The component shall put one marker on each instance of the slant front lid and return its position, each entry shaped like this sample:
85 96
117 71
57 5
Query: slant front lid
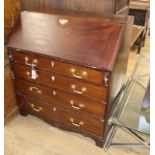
87 41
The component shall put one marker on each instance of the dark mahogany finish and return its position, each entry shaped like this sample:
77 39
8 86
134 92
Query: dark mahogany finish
83 41
60 67
53 112
62 98
60 82
76 61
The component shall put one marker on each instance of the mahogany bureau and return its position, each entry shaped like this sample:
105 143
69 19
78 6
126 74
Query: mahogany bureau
64 69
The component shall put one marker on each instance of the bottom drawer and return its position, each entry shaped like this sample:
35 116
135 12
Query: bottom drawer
52 112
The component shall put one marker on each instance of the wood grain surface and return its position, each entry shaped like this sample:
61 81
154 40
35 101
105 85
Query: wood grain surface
52 65
85 41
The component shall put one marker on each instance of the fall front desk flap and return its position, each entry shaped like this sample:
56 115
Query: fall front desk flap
91 42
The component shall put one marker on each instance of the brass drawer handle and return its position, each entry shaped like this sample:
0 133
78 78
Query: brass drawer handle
29 75
35 89
83 74
106 79
83 89
76 124
79 107
35 109
34 62
54 109
54 93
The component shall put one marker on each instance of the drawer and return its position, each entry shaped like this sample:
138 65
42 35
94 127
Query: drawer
74 103
52 112
120 4
85 89
68 69
60 82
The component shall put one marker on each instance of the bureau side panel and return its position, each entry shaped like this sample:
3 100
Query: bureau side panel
119 70
120 67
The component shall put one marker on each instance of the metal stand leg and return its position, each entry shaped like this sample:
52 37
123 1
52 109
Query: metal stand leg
110 137
112 132
137 137
115 119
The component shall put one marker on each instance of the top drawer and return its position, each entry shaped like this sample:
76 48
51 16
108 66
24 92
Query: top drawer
68 69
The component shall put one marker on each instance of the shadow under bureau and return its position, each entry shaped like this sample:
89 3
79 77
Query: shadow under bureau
66 69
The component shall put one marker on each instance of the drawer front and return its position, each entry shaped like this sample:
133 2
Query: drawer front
120 4
52 112
71 70
74 103
89 90
60 82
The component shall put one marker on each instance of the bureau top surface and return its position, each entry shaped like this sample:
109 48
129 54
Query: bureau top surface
87 41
